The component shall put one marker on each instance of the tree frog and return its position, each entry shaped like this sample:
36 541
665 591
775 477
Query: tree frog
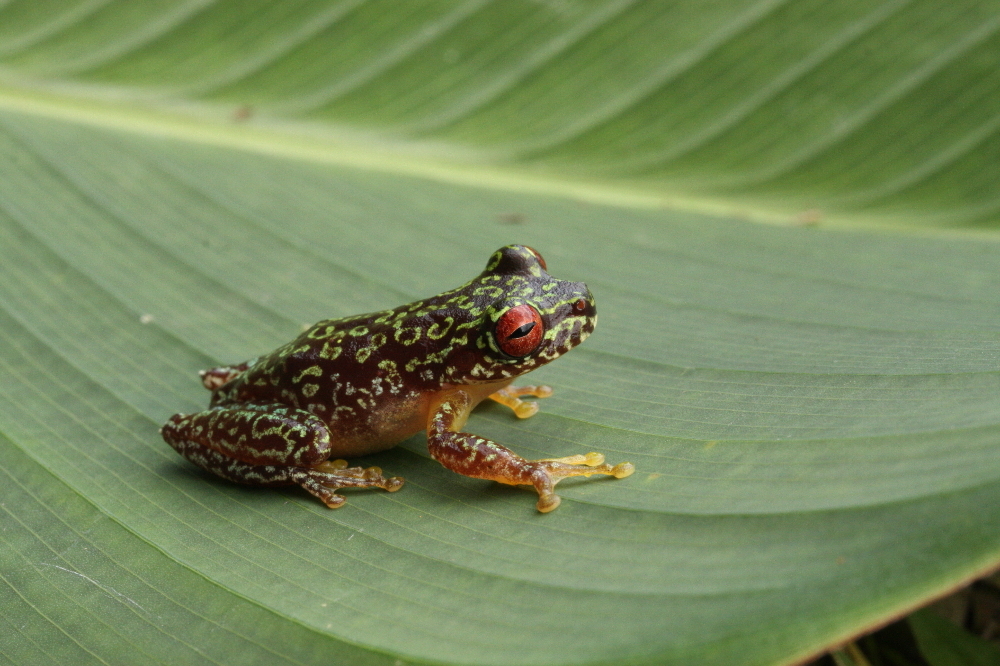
354 386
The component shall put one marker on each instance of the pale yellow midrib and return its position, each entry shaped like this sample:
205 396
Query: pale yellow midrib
213 126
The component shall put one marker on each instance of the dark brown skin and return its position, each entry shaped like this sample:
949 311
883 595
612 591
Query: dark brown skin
363 384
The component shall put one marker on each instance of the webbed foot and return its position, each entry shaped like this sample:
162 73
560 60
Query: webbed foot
324 479
509 397
550 471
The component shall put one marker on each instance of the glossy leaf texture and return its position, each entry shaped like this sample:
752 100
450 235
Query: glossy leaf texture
813 414
850 110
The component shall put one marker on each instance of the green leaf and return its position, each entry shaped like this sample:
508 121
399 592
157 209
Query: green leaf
812 413
848 111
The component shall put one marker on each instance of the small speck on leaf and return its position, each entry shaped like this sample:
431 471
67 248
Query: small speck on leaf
242 113
512 218
809 218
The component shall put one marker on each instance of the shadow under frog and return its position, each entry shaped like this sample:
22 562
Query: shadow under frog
358 385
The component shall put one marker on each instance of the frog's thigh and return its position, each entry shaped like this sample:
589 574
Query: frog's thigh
254 434
269 445
482 458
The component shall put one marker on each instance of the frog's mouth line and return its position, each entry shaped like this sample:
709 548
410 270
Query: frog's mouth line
569 333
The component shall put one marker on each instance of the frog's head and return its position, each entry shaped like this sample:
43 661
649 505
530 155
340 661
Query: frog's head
529 318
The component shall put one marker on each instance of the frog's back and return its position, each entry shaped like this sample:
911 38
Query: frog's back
369 372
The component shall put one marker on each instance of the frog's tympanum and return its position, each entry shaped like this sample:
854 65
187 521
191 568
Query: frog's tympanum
354 386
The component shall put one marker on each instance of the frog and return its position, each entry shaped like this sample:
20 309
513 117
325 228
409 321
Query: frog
358 385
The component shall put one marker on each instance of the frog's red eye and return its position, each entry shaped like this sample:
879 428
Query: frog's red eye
580 306
519 331
538 256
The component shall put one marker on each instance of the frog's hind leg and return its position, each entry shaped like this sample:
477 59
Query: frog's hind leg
269 445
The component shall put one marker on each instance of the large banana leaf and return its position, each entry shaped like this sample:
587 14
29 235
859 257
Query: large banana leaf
854 110
813 413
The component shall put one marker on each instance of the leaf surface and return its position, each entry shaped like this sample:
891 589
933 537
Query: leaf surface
812 412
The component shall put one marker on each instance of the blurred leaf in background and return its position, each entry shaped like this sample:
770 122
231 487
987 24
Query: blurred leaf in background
812 407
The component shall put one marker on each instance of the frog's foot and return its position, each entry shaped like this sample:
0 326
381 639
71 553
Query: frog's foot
547 472
508 396
323 479
215 378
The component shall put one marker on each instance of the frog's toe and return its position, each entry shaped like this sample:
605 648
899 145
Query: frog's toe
592 459
548 502
525 409
335 501
550 471
583 465
621 470
326 477
216 378
324 493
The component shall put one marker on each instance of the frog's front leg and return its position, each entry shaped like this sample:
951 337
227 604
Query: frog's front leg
509 396
482 458
269 445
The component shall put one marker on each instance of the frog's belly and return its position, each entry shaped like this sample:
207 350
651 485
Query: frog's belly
357 431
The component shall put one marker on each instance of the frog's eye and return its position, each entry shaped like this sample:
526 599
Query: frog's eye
580 306
519 331
538 256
